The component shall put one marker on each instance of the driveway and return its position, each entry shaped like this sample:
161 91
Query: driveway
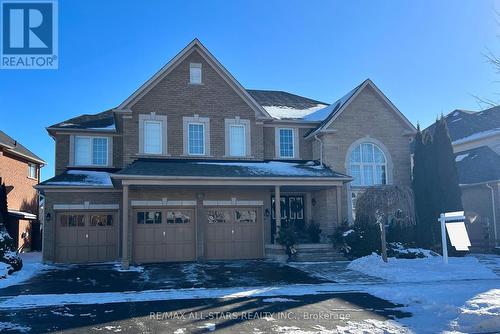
226 297
109 277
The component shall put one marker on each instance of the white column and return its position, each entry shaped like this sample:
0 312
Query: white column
339 205
125 261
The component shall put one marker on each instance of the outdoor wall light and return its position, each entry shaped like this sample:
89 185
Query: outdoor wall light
268 213
48 216
313 202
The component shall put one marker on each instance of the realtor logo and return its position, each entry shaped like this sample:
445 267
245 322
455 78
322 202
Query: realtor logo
29 35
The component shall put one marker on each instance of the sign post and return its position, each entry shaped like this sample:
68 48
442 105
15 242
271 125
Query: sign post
459 241
442 220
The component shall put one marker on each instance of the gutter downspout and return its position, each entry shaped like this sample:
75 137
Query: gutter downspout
320 149
493 207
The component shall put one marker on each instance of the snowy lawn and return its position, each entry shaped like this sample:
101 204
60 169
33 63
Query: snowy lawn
461 297
32 265
421 270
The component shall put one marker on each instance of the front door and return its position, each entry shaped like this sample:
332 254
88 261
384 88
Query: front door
292 213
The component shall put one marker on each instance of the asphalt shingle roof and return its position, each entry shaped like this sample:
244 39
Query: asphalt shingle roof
102 120
478 165
463 123
280 98
224 168
16 147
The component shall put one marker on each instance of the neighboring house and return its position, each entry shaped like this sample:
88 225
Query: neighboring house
475 138
20 171
192 166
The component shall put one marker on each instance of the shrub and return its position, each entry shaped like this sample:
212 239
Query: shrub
8 253
288 238
313 231
357 240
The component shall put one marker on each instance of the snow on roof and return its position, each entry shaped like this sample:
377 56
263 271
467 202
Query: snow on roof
461 157
477 136
285 112
275 168
322 114
81 178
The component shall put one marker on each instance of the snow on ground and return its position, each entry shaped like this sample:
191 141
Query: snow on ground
137 269
420 270
4 270
480 314
32 265
9 326
279 300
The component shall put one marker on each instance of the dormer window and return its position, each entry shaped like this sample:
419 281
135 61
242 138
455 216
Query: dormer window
195 73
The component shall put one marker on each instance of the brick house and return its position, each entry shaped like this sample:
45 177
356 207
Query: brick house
192 166
20 171
475 138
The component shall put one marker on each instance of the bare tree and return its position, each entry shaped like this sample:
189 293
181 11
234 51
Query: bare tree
385 202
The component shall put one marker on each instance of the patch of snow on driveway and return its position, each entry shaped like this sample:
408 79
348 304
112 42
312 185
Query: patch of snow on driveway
279 300
32 265
9 326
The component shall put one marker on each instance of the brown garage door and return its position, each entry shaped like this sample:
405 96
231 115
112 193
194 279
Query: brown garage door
233 233
164 235
86 237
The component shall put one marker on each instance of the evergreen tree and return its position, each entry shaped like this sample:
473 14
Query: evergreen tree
450 195
423 184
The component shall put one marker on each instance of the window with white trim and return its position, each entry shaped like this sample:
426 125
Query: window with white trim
152 137
368 165
90 151
195 73
237 140
32 171
196 138
286 143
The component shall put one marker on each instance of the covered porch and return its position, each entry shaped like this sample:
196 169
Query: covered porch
228 214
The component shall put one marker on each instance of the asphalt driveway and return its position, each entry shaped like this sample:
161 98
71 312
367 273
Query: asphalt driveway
297 314
108 277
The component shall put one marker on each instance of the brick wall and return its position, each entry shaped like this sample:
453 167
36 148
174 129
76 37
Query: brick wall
369 117
14 172
175 97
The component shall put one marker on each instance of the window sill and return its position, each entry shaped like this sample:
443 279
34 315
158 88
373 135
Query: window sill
146 155
89 166
32 178
196 84
246 157
194 156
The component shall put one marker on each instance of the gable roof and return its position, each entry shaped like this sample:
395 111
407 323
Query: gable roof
195 45
464 125
284 105
478 165
14 147
328 114
101 121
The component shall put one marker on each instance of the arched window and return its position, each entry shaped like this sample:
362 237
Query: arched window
368 165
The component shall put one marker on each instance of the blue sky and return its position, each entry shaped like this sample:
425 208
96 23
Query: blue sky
426 56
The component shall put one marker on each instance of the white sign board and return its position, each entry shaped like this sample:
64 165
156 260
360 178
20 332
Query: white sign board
458 236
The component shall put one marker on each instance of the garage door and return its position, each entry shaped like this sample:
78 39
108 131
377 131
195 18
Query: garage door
86 237
233 233
164 235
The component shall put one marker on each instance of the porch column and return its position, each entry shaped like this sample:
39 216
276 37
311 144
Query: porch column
125 261
339 205
277 208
